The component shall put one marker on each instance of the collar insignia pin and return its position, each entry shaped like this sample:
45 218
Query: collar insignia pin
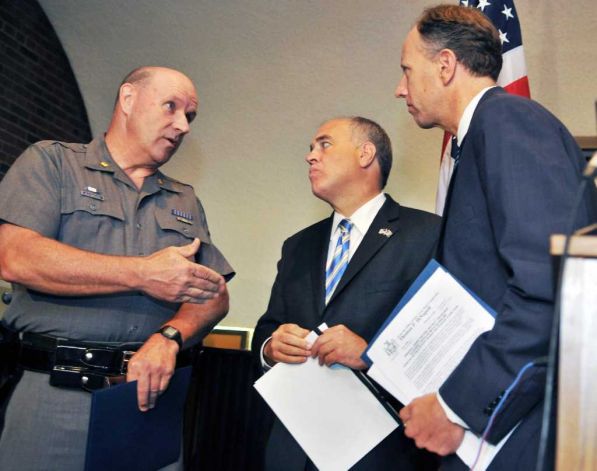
385 232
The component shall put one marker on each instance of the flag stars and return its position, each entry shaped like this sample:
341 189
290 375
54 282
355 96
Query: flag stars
507 12
483 4
464 3
503 37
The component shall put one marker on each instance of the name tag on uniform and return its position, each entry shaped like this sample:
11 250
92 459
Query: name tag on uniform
92 192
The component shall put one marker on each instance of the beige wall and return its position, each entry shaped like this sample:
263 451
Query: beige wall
269 71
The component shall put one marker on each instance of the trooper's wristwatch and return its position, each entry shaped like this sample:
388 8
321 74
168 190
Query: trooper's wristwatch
171 333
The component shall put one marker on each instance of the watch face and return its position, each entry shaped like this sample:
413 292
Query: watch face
169 331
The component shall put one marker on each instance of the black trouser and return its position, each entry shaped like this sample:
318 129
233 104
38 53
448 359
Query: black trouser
10 373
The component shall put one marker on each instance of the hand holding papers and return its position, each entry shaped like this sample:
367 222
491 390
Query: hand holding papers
329 412
121 437
425 338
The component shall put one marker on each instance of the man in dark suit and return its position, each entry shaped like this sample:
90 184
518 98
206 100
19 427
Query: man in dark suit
349 163
514 184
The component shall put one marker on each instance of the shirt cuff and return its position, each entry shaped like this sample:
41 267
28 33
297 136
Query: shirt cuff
264 364
473 451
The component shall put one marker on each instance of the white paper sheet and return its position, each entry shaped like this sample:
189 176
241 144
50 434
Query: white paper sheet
329 412
427 339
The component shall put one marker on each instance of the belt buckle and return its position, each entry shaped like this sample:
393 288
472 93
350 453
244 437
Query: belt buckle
73 377
126 357
73 367
68 355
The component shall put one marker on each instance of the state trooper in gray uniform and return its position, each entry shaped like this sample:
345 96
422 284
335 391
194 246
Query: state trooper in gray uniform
104 250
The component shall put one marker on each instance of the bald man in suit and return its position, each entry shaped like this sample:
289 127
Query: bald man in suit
349 162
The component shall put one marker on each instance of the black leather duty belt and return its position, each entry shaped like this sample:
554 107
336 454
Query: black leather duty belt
74 364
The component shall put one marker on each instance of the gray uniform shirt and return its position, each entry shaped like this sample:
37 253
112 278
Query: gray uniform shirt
76 194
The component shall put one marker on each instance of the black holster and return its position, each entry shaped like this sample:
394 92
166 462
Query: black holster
10 372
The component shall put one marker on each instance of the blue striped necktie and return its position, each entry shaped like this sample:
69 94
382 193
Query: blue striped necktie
339 259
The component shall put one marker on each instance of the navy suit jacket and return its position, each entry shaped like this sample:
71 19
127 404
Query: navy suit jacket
514 186
377 276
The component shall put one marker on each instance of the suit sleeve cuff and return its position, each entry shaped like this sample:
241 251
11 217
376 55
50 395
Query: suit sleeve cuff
264 364
452 416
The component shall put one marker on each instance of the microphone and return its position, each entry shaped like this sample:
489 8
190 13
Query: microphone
591 168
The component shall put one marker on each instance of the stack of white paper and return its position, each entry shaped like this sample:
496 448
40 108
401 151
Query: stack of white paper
427 337
329 412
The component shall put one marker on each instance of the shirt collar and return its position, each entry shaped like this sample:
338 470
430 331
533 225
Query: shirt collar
165 182
467 116
362 217
99 158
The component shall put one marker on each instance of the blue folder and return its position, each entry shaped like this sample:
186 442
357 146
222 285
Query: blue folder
425 274
121 437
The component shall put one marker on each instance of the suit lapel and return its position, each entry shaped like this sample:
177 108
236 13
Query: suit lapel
319 251
439 251
385 221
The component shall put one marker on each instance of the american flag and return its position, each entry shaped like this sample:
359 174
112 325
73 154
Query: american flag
513 77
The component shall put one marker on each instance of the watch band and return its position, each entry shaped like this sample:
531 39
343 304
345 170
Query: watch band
171 333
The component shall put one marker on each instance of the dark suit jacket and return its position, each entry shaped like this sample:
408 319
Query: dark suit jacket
515 185
377 276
